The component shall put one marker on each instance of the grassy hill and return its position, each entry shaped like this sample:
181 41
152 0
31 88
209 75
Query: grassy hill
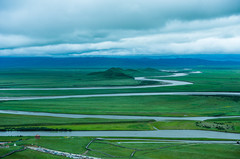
112 73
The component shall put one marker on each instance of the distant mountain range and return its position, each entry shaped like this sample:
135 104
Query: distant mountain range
103 62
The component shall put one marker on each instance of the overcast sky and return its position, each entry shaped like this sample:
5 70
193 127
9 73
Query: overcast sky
118 27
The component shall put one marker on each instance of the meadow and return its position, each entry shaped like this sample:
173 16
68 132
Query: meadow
35 123
218 80
54 78
146 105
30 154
118 148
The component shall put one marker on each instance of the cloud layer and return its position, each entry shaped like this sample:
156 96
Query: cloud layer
109 27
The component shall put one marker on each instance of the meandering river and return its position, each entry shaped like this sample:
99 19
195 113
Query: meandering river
110 116
157 133
122 95
164 84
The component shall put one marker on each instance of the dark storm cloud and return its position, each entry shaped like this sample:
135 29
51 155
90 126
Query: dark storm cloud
40 28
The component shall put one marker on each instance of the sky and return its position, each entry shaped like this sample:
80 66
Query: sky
80 28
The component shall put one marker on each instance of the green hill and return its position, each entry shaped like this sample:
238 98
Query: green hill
112 73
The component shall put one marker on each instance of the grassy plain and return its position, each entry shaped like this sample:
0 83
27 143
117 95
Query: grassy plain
92 124
229 125
123 148
23 121
169 150
55 78
210 80
30 154
135 105
194 151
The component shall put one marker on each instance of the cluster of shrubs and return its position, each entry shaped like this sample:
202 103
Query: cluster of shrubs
33 129
219 126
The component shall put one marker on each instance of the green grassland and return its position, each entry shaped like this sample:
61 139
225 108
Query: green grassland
30 154
195 151
131 126
229 125
7 150
168 151
209 80
30 120
54 78
134 105
90 124
23 121
66 144
108 127
124 149
212 80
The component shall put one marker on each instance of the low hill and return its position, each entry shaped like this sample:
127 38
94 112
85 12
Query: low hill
112 73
